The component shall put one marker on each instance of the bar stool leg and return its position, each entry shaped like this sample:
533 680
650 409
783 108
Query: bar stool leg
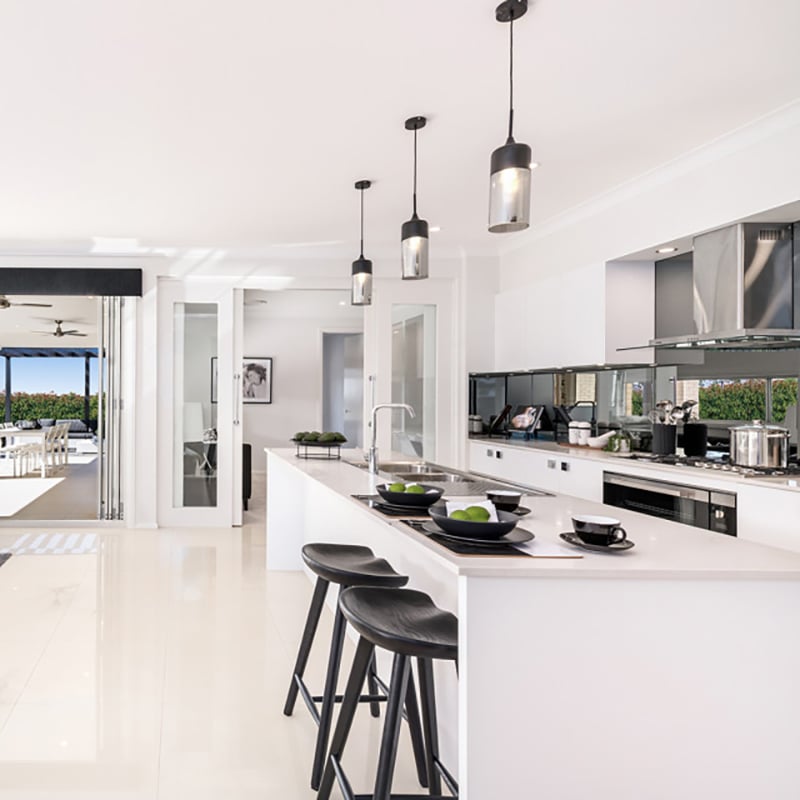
328 697
352 693
429 722
372 683
391 728
415 729
314 612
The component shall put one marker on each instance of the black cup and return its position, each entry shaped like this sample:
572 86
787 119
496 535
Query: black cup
599 530
504 500
664 439
695 439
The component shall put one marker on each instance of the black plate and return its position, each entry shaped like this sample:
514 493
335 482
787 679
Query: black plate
517 536
617 547
396 510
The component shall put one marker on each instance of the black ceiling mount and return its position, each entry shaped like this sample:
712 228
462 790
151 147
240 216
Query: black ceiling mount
510 10
361 185
415 123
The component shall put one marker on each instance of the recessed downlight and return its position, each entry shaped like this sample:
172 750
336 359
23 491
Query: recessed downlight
667 250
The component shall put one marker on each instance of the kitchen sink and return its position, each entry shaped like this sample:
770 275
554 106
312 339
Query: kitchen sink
433 477
395 467
452 481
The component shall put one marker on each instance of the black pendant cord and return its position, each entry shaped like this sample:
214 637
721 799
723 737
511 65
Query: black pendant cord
362 225
511 80
414 215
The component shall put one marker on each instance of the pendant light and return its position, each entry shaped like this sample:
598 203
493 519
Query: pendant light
414 237
510 188
361 281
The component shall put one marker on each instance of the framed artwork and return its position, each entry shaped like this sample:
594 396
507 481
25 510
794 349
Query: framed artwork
257 380
213 379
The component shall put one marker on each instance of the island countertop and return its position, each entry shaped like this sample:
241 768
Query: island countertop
662 548
668 671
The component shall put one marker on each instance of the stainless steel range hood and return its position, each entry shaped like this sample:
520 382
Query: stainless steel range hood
746 288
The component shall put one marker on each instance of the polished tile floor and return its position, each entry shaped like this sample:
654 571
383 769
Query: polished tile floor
156 668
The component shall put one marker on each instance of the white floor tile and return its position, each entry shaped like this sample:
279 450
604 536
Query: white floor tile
156 669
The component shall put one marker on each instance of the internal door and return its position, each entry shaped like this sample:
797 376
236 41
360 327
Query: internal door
343 384
200 398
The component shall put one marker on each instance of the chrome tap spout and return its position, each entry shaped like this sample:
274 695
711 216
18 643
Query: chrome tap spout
372 456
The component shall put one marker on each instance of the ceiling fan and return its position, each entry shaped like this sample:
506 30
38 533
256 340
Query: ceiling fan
6 303
59 331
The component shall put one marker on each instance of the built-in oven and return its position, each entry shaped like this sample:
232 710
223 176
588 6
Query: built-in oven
709 509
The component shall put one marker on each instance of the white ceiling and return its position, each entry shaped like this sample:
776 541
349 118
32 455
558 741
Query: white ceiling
242 125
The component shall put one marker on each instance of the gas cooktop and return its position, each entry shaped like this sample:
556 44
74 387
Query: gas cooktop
720 462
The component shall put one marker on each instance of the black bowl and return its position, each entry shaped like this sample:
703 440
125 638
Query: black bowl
473 530
504 499
432 494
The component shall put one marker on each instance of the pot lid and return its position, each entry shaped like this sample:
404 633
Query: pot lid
758 425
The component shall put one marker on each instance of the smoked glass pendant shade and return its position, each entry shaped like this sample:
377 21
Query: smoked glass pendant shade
510 188
414 249
361 283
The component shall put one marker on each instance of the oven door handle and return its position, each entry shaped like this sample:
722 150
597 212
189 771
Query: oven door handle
686 492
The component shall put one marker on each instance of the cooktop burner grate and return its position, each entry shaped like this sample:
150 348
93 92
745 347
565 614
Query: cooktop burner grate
721 463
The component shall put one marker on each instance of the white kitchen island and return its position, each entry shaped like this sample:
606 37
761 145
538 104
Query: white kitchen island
669 672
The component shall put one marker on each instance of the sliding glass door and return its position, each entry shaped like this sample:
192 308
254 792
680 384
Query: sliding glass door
109 409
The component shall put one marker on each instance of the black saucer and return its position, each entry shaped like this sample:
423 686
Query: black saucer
617 547
516 536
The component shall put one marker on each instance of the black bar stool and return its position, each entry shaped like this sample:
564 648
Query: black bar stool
345 565
408 624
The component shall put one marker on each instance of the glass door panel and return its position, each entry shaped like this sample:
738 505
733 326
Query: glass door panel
195 409
414 379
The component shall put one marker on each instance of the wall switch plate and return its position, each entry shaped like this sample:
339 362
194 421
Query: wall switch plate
551 463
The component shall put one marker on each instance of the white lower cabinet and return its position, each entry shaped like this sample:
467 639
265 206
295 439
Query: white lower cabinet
769 516
543 470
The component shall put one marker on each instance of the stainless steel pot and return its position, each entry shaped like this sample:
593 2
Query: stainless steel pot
475 423
759 445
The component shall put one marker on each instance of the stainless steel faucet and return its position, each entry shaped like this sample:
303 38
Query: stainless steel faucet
372 457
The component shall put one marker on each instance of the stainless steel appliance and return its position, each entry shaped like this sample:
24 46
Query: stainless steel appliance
760 445
475 423
708 509
746 283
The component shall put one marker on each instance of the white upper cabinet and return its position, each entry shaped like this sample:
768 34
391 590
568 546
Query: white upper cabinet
577 318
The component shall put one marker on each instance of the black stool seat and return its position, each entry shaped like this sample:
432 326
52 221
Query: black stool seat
403 621
350 565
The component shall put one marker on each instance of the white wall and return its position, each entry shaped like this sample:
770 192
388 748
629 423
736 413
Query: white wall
289 329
